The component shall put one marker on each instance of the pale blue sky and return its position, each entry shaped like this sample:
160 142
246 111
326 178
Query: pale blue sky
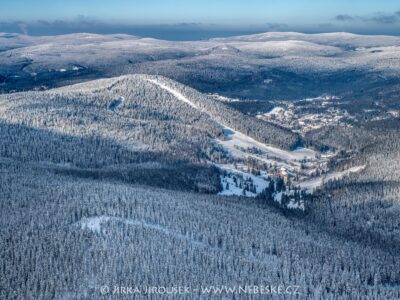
365 16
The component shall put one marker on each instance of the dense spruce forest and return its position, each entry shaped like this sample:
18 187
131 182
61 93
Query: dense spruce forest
160 237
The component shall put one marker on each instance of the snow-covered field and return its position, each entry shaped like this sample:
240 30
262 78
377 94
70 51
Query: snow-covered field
314 183
237 139
234 181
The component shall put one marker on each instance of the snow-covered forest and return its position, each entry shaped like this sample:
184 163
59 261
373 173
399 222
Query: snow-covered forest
64 237
258 160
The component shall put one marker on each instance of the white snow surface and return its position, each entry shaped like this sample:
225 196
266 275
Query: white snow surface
236 138
176 93
94 223
294 205
312 184
275 110
258 181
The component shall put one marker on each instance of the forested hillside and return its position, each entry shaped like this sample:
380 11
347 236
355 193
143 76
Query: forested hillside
365 206
115 127
66 237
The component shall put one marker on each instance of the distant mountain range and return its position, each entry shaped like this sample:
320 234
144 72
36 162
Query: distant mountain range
262 66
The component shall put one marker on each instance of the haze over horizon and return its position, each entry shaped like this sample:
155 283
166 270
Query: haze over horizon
182 20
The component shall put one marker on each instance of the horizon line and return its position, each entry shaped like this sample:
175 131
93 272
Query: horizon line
200 39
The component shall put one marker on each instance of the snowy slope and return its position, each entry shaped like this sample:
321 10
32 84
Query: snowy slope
233 178
81 55
237 138
236 180
177 94
312 184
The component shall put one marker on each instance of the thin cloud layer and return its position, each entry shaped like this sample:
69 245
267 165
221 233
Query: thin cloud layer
378 18
378 23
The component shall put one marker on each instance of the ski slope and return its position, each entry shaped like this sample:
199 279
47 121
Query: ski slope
176 93
312 184
238 139
239 146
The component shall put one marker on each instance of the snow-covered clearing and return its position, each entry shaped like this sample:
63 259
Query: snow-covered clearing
237 139
294 205
93 223
234 178
275 111
312 184
237 183
223 98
